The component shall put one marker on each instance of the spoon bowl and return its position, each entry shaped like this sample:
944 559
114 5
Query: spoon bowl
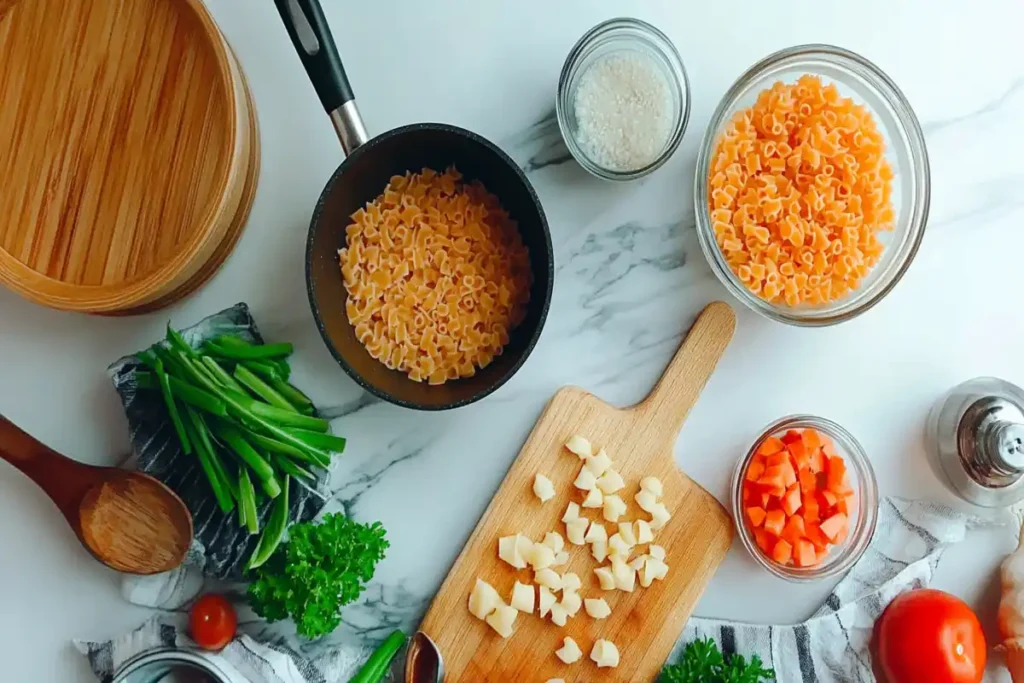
129 521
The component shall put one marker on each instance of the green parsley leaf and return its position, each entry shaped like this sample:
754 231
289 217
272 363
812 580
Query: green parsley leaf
702 662
321 568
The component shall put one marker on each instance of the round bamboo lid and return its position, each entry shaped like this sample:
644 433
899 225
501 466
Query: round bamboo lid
126 150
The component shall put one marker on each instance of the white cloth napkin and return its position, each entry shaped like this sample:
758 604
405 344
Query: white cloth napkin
830 647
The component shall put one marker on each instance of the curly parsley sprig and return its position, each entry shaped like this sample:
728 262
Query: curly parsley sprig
703 662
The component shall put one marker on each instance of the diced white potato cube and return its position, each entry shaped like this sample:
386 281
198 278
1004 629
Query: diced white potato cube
605 578
594 499
501 620
558 615
596 532
597 608
522 597
549 578
599 550
642 531
570 652
658 569
526 548
605 654
572 511
646 573
576 530
656 551
599 464
610 482
637 563
483 600
614 507
625 576
571 582
542 557
571 602
554 540
659 516
618 546
626 531
543 488
508 552
561 558
579 445
646 500
585 480
653 485
547 599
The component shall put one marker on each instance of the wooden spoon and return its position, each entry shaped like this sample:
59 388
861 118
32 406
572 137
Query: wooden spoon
129 521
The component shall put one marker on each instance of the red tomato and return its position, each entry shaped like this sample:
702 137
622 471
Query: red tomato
213 622
927 636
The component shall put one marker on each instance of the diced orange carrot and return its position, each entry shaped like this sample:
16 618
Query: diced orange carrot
755 470
811 439
812 511
836 469
766 498
756 515
747 494
764 540
788 475
808 482
829 448
847 504
812 532
792 502
782 552
816 461
805 554
774 522
820 554
776 459
791 436
833 525
794 529
770 446
828 499
798 451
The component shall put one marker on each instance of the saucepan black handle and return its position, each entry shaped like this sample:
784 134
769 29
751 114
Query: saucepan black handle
311 36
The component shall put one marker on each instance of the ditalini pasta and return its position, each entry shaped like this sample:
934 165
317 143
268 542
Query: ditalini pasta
437 276
799 191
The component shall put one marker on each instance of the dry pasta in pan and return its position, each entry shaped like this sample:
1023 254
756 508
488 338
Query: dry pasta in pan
799 191
437 276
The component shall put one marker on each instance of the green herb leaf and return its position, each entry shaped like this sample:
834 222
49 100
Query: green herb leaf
702 662
321 568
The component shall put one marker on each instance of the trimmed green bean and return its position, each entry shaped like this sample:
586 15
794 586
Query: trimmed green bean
203 430
274 531
271 487
249 379
246 351
222 375
327 442
186 393
286 418
248 501
172 407
230 435
206 457
265 369
295 397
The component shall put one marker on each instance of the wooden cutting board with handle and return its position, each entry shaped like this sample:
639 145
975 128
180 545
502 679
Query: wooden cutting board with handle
644 624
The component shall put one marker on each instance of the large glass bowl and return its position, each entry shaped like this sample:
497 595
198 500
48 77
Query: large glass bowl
867 85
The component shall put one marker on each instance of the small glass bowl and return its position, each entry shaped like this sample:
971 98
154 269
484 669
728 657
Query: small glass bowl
858 78
862 523
622 35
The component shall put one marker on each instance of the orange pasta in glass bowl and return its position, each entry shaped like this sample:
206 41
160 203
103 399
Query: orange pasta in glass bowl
437 276
812 186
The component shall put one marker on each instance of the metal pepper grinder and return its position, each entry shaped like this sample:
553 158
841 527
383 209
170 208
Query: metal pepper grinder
975 438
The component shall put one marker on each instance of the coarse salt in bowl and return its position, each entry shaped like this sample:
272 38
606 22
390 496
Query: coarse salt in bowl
623 99
868 86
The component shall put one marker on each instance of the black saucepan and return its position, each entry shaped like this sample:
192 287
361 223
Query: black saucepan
368 166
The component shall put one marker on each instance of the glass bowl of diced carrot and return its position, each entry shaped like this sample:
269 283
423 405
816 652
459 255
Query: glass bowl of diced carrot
812 187
805 499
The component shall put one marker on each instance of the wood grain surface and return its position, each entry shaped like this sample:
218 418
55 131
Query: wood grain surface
126 145
643 624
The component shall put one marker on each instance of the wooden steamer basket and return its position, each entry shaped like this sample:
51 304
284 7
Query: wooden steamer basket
129 152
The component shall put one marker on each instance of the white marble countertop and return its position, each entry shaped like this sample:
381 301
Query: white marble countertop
630 278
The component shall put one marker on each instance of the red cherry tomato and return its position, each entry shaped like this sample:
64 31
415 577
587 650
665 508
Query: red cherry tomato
927 636
213 622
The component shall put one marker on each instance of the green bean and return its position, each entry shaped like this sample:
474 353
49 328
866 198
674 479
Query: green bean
288 467
262 389
274 531
172 407
295 397
327 442
248 501
286 418
222 375
203 431
230 435
271 487
283 368
185 392
310 454
242 350
266 369
206 456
